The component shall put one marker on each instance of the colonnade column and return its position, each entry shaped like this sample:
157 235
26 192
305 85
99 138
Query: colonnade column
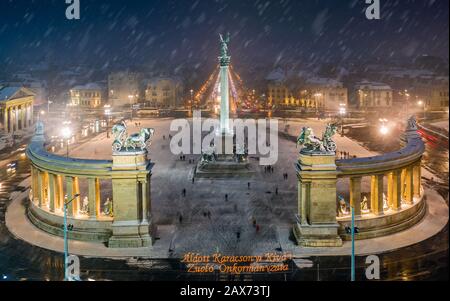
52 191
69 193
39 188
16 118
395 190
59 192
409 193
94 198
5 120
355 194
376 194
417 177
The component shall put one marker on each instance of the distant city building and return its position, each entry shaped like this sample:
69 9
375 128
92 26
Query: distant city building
279 95
123 88
372 95
163 92
86 96
435 96
16 108
326 94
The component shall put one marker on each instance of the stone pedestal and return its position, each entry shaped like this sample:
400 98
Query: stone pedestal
316 219
132 226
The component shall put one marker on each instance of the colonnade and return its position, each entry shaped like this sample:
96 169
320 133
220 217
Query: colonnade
49 191
17 117
403 186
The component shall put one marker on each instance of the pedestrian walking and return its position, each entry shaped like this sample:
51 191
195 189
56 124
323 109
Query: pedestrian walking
276 191
184 192
180 219
226 197
248 185
257 228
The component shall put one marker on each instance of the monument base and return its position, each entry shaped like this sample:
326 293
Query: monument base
317 236
131 235
224 167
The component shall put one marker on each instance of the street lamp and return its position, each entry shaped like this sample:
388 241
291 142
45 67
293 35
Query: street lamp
66 241
384 130
352 231
67 133
108 116
423 104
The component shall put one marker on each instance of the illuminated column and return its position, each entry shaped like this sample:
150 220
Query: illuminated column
376 194
396 190
40 187
355 194
59 192
417 180
403 181
94 198
409 187
69 193
16 118
52 191
5 120
76 190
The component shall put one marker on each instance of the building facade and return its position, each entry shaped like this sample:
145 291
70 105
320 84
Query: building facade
16 109
279 95
86 96
374 95
123 88
326 94
163 93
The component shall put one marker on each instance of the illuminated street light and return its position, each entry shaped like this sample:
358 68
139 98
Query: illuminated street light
108 117
384 130
67 134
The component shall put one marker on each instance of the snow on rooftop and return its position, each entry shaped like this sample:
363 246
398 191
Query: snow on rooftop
7 92
90 86
373 86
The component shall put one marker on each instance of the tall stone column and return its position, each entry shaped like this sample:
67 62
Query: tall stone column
376 194
16 117
355 194
409 187
131 229
94 198
52 191
5 120
396 188
40 187
317 226
69 193
76 190
59 192
417 179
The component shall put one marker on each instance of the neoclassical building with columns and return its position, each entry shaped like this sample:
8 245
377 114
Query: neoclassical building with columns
16 109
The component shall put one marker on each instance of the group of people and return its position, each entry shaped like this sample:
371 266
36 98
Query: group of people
346 155
285 176
268 169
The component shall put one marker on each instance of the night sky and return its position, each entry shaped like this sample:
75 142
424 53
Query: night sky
179 32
